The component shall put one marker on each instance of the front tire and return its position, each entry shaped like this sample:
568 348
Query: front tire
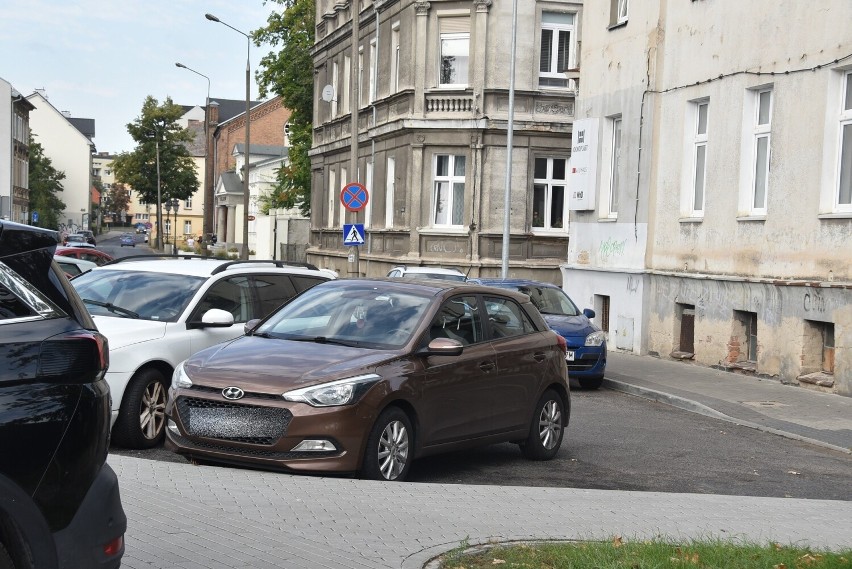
142 417
547 428
389 447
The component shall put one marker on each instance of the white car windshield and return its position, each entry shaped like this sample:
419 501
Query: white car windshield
135 294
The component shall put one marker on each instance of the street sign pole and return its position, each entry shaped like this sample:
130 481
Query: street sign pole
354 266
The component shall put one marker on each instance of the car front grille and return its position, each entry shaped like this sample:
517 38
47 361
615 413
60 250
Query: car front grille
252 394
248 452
233 422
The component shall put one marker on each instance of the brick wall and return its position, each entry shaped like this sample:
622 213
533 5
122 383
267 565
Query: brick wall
267 127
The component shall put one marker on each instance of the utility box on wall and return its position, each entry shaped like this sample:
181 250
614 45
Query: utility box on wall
583 166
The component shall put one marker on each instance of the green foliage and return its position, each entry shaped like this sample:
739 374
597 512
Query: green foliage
119 198
157 127
45 182
288 72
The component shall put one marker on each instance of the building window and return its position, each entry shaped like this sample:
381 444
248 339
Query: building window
332 197
557 48
699 157
360 75
760 149
685 332
549 180
618 12
187 228
347 85
448 198
602 312
844 187
743 346
335 88
187 204
374 52
390 183
394 83
455 52
344 179
368 209
818 348
167 227
615 167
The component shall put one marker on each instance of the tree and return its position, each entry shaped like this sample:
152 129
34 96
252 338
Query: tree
157 126
289 74
119 197
45 182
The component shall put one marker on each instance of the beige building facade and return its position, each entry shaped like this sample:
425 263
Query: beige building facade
430 87
716 223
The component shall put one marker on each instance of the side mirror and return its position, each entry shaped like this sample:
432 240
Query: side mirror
250 325
217 318
444 347
589 313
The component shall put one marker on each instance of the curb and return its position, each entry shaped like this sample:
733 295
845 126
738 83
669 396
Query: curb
701 409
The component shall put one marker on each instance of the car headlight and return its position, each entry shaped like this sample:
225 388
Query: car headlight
180 379
595 338
340 392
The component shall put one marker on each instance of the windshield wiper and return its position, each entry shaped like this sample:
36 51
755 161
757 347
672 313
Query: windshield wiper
112 307
324 340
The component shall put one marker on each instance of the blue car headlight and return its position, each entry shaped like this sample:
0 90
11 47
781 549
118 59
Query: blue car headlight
595 339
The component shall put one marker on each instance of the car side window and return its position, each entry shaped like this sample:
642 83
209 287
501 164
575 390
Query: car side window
506 318
304 283
11 306
272 292
458 319
231 295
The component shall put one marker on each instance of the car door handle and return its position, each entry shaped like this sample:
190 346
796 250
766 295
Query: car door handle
539 357
486 366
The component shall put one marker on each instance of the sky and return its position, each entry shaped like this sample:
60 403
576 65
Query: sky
100 59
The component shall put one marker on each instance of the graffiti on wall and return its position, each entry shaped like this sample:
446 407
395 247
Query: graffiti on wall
813 301
611 249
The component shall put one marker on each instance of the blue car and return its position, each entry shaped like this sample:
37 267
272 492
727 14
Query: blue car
128 239
586 355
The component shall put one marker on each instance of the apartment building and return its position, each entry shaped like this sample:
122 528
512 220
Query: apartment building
14 154
430 89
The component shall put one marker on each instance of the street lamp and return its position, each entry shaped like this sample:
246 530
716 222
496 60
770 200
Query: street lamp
175 203
158 244
244 254
208 186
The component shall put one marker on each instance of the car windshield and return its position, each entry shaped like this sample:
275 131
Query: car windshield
549 300
364 317
129 294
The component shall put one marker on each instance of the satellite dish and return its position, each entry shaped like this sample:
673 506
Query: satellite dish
327 93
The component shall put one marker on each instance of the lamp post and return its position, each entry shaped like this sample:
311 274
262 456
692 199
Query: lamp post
208 186
158 244
175 203
244 253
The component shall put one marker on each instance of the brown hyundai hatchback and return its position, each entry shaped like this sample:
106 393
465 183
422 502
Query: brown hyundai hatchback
365 375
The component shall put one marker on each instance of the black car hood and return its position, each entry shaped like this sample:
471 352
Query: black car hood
282 363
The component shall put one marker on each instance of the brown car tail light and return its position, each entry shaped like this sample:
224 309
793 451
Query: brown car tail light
82 356
563 345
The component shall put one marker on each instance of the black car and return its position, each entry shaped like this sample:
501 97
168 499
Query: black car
59 500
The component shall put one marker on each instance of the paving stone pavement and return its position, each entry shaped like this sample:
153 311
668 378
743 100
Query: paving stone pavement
194 517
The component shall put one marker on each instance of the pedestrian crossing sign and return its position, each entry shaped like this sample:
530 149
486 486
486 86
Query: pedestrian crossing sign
353 234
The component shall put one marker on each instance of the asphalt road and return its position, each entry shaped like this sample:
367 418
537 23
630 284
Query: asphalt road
619 442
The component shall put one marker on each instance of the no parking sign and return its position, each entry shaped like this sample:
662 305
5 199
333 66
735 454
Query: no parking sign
354 196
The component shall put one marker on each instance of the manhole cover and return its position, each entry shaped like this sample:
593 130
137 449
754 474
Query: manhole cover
764 404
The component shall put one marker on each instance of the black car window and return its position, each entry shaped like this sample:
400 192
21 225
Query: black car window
458 319
506 318
11 306
272 292
304 283
231 295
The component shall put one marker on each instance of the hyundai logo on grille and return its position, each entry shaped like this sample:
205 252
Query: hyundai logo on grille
232 393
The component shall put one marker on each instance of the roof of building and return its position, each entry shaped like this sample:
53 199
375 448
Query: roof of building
262 150
85 126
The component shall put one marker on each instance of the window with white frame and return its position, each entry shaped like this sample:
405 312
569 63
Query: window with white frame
187 228
455 52
448 196
368 209
615 166
335 88
394 82
167 227
360 76
557 48
699 157
374 53
619 11
549 181
390 182
760 150
187 203
344 179
347 85
332 196
843 195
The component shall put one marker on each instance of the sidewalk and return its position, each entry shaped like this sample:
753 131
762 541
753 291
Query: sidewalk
185 516
795 412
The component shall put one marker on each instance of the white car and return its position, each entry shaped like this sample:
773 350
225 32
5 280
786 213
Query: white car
156 312
73 266
427 273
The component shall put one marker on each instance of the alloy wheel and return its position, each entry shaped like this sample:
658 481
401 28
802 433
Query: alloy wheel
393 450
550 424
153 413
